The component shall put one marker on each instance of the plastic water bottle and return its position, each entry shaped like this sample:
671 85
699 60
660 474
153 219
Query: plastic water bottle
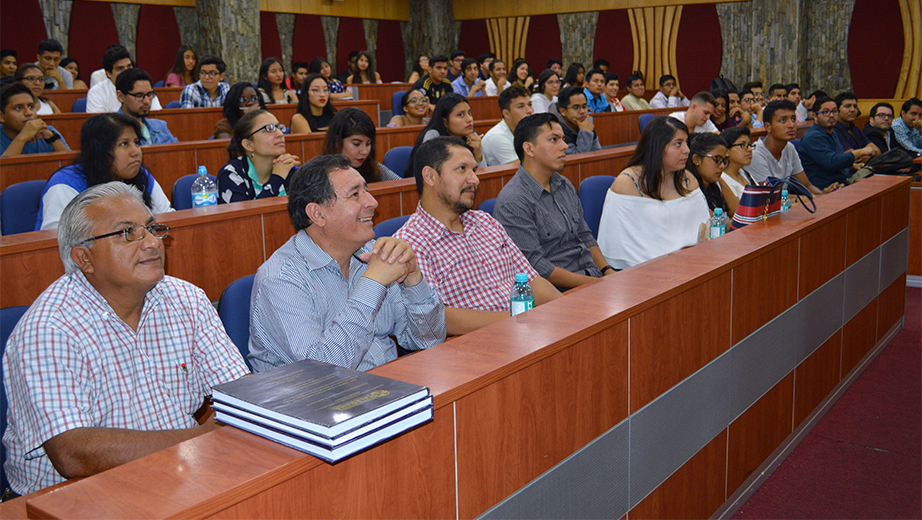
522 297
724 222
785 201
204 190
717 226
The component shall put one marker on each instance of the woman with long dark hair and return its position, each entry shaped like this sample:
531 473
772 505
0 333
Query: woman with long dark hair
654 207
735 178
521 74
420 68
240 99
185 70
707 158
352 135
315 111
31 75
546 93
364 70
110 150
575 75
322 67
73 67
452 116
259 165
272 83
415 105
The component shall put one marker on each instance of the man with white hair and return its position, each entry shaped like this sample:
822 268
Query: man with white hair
114 361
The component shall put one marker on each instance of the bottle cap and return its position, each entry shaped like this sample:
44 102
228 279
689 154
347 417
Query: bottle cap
784 193
202 170
718 212
521 278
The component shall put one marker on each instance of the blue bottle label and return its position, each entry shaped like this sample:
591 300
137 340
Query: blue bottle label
205 199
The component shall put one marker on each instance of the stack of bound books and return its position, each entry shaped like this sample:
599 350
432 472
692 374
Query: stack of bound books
328 411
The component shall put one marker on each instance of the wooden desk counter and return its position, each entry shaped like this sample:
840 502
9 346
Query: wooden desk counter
673 364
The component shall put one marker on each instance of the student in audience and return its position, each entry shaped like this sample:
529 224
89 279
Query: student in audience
751 108
498 143
210 89
49 60
299 72
109 151
322 67
735 114
136 93
707 158
498 80
795 96
757 94
879 129
434 84
541 212
464 254
315 110
850 136
272 83
364 70
576 73
185 68
259 166
721 116
8 66
908 127
735 178
344 76
455 59
452 117
546 94
240 99
74 68
415 106
555 65
654 207
777 92
99 75
30 75
420 68
822 155
634 100
352 135
595 99
92 370
333 293
21 132
602 65
573 115
102 96
468 83
612 84
521 74
698 115
775 155
483 61
669 94
808 101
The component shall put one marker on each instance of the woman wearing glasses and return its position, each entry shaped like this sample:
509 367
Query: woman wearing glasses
352 135
548 88
259 165
415 105
707 158
735 178
314 108
31 76
240 99
110 150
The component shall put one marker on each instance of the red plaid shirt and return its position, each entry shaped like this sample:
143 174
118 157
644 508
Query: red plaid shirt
473 270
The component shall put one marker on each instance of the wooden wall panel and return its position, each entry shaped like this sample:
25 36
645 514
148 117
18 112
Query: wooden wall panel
35 270
379 10
695 490
277 229
753 436
694 323
892 302
915 230
863 231
502 447
822 255
859 336
895 217
816 377
751 311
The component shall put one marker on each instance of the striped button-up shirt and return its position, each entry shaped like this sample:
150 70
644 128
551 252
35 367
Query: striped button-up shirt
471 270
71 362
303 307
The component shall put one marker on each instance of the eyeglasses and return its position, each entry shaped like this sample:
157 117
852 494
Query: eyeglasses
141 96
135 233
210 73
884 116
34 79
318 91
744 146
719 160
826 113
416 101
552 82
248 100
269 129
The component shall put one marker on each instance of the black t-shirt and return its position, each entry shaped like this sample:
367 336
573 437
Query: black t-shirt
319 123
433 91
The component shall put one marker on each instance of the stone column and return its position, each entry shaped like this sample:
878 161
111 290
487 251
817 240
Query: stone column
57 22
371 37
577 34
431 30
189 34
330 34
286 25
126 23
825 63
231 31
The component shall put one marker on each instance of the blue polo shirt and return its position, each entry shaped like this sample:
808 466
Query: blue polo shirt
37 146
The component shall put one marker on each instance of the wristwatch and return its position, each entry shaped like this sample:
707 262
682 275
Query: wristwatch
54 137
606 268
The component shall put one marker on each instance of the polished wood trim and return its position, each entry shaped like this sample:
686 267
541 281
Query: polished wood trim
754 309
891 304
915 230
863 231
816 377
822 256
859 336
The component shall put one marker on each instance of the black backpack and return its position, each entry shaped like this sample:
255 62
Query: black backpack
722 83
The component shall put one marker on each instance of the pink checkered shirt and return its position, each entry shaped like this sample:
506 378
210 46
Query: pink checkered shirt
71 362
473 270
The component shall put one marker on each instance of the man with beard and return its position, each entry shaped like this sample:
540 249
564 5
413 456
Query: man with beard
823 158
879 128
136 93
540 210
464 254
